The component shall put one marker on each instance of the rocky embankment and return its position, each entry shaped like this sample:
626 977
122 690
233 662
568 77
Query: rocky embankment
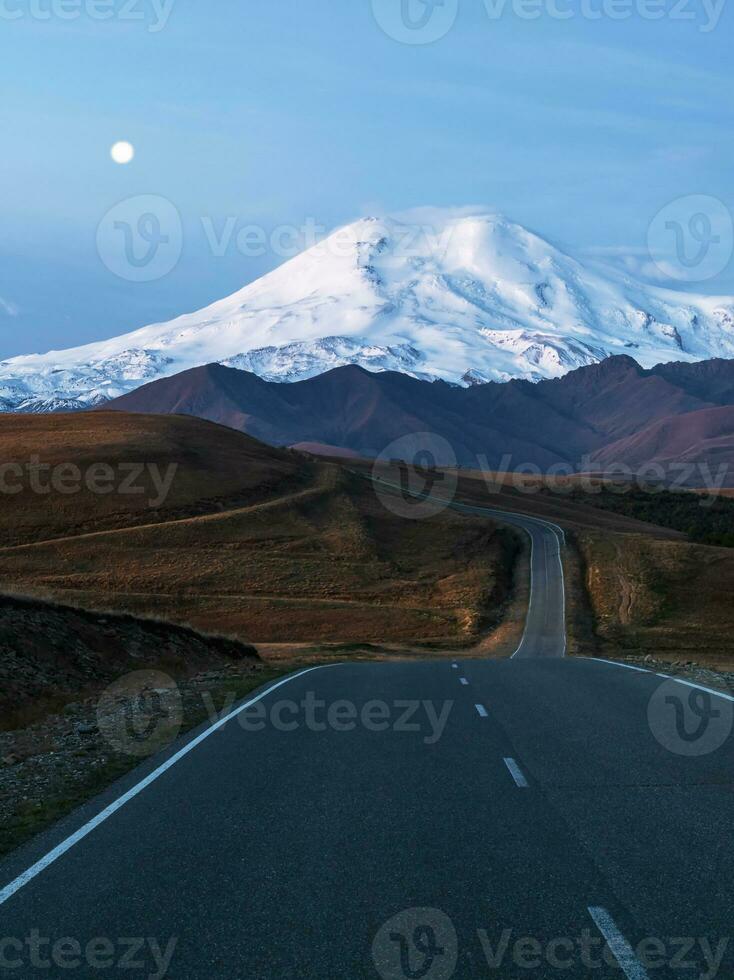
86 696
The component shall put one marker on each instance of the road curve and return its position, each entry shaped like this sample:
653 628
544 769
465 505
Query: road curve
545 624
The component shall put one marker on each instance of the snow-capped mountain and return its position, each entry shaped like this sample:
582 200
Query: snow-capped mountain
463 297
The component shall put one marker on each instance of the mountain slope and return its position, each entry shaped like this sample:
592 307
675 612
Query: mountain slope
703 437
354 409
559 420
467 297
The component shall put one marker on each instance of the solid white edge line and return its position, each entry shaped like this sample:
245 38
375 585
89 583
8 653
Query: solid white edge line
517 774
532 590
563 592
700 687
667 677
483 713
623 952
616 663
30 873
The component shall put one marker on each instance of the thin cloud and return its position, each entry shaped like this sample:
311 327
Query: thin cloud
8 308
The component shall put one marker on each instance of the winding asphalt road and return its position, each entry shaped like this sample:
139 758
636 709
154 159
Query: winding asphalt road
538 817
545 628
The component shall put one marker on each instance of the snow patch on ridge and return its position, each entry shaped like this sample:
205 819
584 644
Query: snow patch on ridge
56 388
294 362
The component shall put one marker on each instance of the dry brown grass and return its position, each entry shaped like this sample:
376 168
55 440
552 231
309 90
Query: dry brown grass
314 557
215 468
670 599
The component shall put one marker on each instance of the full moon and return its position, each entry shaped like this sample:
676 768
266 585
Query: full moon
122 152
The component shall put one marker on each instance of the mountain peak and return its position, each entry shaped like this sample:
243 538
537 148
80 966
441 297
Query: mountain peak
464 295
618 365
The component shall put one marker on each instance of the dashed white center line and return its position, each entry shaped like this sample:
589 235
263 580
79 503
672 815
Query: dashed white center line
623 952
464 681
483 713
517 773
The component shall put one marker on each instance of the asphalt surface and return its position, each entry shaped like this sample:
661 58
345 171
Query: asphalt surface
282 853
408 819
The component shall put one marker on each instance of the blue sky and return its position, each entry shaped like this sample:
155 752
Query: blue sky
270 112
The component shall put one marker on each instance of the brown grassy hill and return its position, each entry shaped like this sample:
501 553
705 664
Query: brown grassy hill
252 541
57 471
